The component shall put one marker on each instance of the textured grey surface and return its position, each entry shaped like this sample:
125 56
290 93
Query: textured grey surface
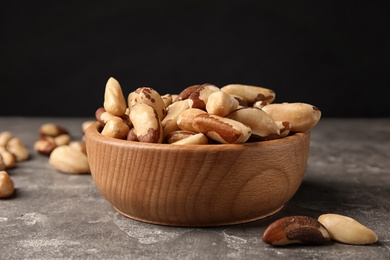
59 216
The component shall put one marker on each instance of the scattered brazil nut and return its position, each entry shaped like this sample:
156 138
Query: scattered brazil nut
68 160
347 230
8 159
18 149
45 145
5 136
295 230
6 185
52 130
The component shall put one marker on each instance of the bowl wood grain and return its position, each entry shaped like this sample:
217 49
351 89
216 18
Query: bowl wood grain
197 185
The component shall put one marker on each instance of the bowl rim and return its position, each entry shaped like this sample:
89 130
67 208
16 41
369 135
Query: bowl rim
93 132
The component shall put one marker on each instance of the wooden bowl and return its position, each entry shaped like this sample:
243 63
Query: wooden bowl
197 185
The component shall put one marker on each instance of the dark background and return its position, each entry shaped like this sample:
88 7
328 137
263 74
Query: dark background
57 56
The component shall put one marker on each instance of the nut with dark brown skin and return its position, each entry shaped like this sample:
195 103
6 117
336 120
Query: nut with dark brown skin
185 93
53 130
149 96
296 230
222 129
199 98
45 145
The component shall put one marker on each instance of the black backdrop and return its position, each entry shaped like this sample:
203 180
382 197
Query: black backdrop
57 56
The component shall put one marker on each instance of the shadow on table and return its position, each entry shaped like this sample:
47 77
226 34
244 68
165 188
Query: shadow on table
316 197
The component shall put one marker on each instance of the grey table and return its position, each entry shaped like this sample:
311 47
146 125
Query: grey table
59 216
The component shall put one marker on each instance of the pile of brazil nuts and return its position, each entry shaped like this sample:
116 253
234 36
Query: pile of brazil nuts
65 155
201 114
12 150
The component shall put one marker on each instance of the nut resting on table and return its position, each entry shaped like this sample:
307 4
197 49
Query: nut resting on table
307 230
204 113
65 154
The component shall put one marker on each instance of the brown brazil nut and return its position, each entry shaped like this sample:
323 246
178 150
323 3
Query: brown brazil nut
261 124
147 125
185 93
169 123
198 98
186 118
302 116
222 129
149 96
250 93
295 230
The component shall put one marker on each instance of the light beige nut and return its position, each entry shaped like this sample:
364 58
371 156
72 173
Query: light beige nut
68 160
8 159
63 139
284 128
177 136
149 96
86 124
51 129
115 128
220 103
79 146
167 98
185 93
347 230
45 145
198 98
114 101
302 116
186 118
18 149
5 136
169 123
198 138
102 116
261 124
222 129
6 185
296 230
147 125
250 93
